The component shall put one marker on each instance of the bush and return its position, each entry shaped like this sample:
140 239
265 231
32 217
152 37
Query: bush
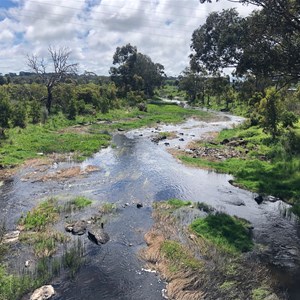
19 115
288 119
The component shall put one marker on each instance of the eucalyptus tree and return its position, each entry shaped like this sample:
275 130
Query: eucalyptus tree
260 45
134 71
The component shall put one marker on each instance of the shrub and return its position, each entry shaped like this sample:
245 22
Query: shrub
288 119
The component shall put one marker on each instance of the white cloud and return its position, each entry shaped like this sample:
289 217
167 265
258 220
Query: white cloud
93 29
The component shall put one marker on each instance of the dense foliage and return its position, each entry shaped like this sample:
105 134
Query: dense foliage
135 72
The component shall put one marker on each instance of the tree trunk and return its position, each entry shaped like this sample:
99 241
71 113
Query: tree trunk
49 99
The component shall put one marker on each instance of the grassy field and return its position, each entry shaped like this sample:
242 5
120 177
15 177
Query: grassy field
268 167
60 135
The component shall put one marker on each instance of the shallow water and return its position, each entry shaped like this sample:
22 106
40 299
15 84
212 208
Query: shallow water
138 170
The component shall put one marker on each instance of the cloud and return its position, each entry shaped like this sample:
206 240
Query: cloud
93 29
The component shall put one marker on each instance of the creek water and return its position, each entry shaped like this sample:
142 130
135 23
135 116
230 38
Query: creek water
138 170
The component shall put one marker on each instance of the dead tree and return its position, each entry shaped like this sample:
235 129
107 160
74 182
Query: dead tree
59 58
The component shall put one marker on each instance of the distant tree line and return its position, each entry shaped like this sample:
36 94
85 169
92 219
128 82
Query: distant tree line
53 86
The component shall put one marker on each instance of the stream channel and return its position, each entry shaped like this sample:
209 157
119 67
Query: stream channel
138 170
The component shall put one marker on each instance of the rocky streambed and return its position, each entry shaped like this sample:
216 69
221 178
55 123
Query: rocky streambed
139 171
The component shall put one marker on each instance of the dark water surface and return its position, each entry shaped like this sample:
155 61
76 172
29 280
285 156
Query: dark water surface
138 170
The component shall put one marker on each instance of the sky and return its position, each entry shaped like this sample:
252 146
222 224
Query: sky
93 29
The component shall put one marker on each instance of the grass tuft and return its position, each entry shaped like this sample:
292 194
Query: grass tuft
177 203
45 213
179 256
226 232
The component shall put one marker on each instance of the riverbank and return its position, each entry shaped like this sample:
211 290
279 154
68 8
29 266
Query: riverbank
79 139
257 163
196 267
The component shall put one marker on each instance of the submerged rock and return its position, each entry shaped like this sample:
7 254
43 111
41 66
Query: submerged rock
42 293
97 235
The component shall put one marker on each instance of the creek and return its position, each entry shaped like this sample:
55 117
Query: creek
138 170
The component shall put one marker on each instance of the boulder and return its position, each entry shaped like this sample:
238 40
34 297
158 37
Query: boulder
42 293
97 235
259 199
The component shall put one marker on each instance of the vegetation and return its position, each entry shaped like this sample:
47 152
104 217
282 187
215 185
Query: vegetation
226 232
135 73
58 135
44 214
59 58
192 262
205 207
107 208
81 202
176 203
178 256
270 167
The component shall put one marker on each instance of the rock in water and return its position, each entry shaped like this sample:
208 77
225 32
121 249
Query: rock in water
259 199
98 235
42 293
79 227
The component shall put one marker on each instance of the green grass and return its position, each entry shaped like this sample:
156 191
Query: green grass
81 202
267 168
45 213
226 232
260 293
177 203
23 144
44 243
205 207
12 287
179 256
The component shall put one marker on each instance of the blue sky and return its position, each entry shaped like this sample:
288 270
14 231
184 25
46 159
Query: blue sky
6 4
92 29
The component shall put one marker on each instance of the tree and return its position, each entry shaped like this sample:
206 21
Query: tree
287 10
270 110
5 111
193 84
61 68
134 71
261 44
216 44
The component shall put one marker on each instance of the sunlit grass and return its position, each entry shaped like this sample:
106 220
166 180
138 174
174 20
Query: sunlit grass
43 214
35 140
226 232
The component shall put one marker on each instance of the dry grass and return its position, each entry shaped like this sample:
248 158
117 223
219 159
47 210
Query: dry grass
209 272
